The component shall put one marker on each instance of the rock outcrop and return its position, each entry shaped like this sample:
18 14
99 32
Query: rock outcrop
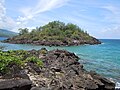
61 71
15 84
52 43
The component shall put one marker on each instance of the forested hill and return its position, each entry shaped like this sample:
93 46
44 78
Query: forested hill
6 33
54 33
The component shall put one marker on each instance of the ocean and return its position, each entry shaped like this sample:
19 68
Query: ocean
103 58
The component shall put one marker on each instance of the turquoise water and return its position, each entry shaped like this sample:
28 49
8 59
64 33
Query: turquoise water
103 58
2 38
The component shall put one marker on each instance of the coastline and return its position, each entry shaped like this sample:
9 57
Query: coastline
53 43
89 46
61 69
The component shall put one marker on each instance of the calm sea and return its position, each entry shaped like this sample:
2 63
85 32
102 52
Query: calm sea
103 58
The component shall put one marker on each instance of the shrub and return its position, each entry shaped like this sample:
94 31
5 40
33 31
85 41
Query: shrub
43 51
6 60
35 60
18 57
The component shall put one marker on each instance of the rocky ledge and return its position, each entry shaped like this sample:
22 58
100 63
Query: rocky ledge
61 71
66 42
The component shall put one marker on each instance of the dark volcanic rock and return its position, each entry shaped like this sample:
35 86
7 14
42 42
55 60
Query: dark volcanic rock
53 43
21 84
61 71
108 85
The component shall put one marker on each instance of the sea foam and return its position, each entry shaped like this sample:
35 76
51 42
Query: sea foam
117 86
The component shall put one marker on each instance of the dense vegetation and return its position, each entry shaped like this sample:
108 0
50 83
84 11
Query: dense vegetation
18 58
55 30
54 33
6 33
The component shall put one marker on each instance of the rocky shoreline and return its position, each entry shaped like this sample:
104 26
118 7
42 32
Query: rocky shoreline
61 71
52 43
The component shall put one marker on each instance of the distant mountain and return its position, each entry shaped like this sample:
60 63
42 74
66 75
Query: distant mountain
6 33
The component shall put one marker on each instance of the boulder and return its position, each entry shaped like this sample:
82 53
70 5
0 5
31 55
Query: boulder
62 71
11 84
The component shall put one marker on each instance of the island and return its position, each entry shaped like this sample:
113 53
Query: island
47 70
54 33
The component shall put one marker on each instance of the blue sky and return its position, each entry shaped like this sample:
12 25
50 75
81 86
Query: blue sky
100 18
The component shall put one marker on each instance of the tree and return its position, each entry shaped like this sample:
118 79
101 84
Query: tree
55 31
2 47
23 31
72 27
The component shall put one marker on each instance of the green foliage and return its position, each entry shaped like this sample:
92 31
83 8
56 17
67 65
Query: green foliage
23 31
43 51
6 59
35 60
18 57
54 31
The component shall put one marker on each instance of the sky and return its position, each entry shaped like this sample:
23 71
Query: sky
100 18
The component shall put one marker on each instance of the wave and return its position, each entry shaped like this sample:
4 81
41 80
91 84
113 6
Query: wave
79 54
117 86
102 43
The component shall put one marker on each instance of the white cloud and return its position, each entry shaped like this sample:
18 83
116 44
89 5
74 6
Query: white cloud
100 18
111 8
6 22
93 16
113 18
30 13
2 9
110 32
2 12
